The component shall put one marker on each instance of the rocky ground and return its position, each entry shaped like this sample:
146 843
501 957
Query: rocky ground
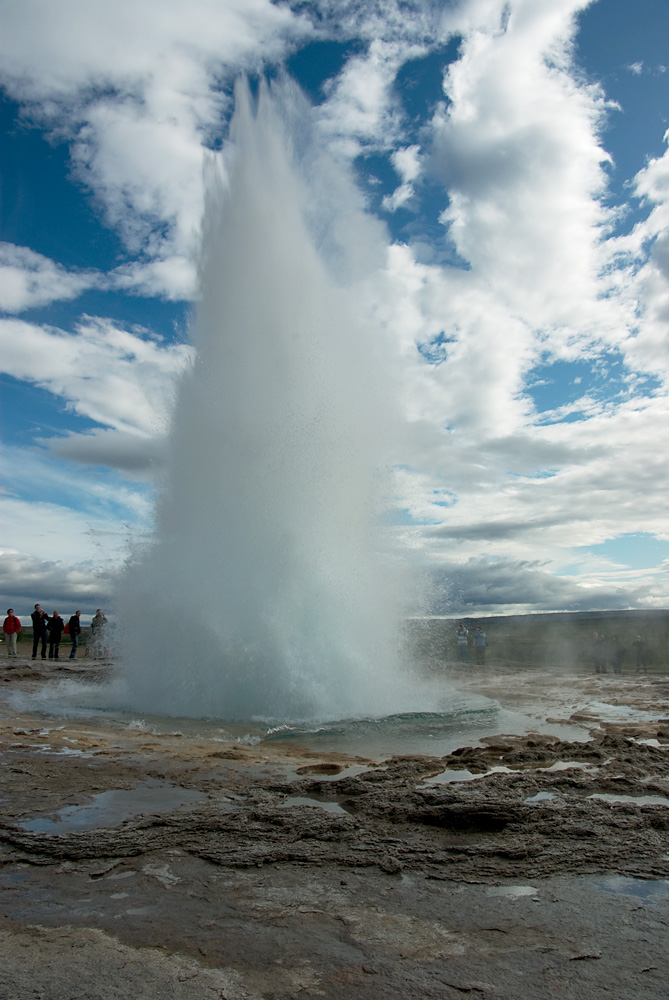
146 866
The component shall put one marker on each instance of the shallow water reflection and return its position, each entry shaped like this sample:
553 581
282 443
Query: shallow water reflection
112 808
650 890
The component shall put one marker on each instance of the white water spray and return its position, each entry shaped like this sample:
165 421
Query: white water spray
264 593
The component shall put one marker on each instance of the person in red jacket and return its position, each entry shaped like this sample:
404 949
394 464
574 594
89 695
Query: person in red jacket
11 627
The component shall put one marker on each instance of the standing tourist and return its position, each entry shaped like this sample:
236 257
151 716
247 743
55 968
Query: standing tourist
74 628
40 621
640 653
617 654
11 627
463 643
55 629
599 652
479 645
98 629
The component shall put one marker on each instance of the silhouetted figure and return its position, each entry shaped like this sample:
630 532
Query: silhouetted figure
55 630
639 648
616 655
463 643
74 629
479 645
599 652
40 620
98 633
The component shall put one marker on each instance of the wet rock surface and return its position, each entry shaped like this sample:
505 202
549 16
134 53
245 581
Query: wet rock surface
413 876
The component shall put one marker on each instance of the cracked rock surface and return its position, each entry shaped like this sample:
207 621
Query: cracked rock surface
138 865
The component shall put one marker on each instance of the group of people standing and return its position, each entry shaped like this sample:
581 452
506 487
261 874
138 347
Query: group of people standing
479 639
611 652
50 629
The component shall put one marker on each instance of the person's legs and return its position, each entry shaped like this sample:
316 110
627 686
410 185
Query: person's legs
73 651
56 648
44 646
11 644
35 644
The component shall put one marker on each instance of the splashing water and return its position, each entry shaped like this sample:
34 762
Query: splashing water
264 593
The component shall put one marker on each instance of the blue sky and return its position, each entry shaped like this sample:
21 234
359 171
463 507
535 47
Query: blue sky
515 153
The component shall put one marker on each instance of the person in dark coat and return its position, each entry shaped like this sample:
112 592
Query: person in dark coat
40 621
74 628
55 629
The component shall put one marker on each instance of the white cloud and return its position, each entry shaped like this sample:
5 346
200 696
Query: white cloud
407 163
137 42
483 586
137 457
643 277
29 280
26 580
113 376
139 90
136 89
517 149
361 106
67 530
173 278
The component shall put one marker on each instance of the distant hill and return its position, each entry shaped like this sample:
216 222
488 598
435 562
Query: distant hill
559 639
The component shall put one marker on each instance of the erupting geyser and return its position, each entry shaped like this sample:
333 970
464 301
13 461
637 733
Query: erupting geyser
265 593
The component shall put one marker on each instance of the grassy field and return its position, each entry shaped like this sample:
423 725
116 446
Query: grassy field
557 640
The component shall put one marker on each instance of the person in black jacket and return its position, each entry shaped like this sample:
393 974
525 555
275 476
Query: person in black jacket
40 621
74 628
55 629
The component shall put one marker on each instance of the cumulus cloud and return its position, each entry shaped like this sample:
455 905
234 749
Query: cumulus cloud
407 164
647 348
67 532
138 90
483 586
172 278
29 280
137 457
26 580
115 377
518 147
361 108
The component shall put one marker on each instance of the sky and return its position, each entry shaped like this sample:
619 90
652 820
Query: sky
515 154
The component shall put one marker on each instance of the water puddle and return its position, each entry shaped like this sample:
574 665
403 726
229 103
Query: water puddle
637 800
447 776
114 807
649 890
347 771
513 891
299 800
568 765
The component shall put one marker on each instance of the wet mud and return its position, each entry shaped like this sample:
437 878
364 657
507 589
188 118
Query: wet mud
137 864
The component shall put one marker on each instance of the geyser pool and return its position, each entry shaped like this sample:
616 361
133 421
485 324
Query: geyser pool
266 591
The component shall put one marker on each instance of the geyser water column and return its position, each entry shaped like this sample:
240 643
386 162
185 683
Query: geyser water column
264 592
